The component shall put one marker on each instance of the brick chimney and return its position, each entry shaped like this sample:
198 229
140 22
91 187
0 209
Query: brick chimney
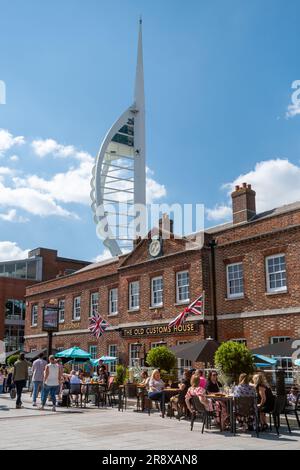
165 223
243 203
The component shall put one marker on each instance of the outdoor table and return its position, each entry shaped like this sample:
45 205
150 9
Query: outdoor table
228 400
90 388
170 392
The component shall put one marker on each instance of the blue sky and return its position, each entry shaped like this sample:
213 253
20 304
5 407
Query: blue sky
218 78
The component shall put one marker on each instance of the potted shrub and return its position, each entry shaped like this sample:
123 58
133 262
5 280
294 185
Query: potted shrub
232 359
161 358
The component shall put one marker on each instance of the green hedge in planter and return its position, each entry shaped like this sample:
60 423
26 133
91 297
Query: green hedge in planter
233 359
161 358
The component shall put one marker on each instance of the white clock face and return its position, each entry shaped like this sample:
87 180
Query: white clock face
154 248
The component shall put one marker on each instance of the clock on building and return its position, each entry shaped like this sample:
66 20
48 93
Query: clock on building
155 247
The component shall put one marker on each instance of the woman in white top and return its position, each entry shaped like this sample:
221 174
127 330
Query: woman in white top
52 379
156 390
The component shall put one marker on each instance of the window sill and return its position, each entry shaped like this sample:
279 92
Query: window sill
155 307
61 322
77 320
33 326
241 297
179 304
113 314
277 292
133 310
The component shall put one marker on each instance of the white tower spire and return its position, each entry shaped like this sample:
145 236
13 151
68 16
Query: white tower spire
119 173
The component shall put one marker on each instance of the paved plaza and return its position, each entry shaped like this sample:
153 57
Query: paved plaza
109 429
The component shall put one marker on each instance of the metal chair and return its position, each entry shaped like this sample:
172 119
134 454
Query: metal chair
202 412
245 407
293 409
279 409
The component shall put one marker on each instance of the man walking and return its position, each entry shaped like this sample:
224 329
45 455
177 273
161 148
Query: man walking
52 379
20 377
38 369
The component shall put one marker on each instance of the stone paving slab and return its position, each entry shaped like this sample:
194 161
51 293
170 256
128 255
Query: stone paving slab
109 429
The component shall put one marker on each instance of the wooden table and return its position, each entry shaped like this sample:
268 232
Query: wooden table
228 400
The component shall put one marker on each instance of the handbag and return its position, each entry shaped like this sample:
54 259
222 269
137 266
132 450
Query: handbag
13 393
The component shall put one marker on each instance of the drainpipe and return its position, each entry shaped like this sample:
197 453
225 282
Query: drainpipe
212 245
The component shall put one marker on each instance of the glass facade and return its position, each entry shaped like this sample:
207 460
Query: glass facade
25 269
15 310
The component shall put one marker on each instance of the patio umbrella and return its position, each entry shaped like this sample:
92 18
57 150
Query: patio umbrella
283 349
200 351
297 362
263 361
75 354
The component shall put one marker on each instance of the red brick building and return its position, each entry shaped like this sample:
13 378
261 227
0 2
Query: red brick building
249 269
15 276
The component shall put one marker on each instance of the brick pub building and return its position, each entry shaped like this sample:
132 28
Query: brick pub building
15 276
249 269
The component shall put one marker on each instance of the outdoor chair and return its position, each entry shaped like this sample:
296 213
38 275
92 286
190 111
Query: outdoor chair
279 409
245 410
112 393
122 398
202 412
294 409
75 390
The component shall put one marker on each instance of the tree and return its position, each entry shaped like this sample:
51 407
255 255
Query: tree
161 358
233 359
12 359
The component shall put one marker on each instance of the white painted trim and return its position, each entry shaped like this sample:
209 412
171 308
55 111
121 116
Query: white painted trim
261 313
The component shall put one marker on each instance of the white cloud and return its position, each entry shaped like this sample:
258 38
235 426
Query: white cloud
7 141
44 147
10 251
12 216
154 190
219 212
294 108
102 257
276 182
31 201
14 158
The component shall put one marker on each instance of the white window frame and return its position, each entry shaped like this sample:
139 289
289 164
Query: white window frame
137 359
158 304
134 295
60 309
94 312
34 314
279 339
187 299
112 365
159 343
113 311
275 289
239 340
76 308
93 351
238 295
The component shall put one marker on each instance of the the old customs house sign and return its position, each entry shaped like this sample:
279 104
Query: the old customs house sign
164 329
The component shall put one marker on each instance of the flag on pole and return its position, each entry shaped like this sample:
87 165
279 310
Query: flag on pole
97 326
195 307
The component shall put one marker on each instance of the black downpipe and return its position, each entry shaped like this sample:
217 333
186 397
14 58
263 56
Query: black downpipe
213 245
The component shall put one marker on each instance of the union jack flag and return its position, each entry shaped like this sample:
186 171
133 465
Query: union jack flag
195 307
97 326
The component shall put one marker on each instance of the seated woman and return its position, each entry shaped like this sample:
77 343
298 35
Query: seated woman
178 401
293 395
156 390
243 389
265 396
202 380
196 391
144 387
214 386
103 375
75 385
